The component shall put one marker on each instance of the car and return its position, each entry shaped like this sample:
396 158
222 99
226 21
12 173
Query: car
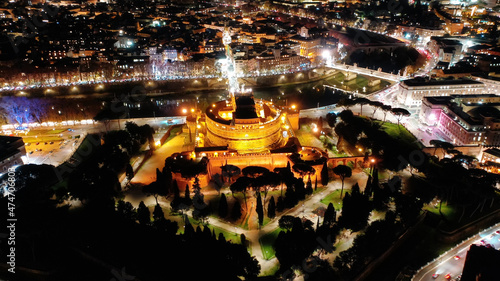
45 143
31 152
435 275
37 143
456 257
51 142
497 232
28 144
482 242
447 276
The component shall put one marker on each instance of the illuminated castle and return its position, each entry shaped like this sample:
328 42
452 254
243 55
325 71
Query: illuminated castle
244 124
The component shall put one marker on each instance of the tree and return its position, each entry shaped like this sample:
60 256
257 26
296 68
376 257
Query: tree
126 210
343 172
156 189
230 171
386 109
129 172
254 171
346 115
18 109
143 214
280 205
330 215
286 222
331 119
175 189
222 206
196 185
376 105
218 181
271 209
187 196
324 174
399 113
158 213
361 102
259 209
345 103
236 211
241 185
309 189
445 146
303 169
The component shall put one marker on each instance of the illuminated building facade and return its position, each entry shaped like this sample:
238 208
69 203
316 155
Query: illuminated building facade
245 125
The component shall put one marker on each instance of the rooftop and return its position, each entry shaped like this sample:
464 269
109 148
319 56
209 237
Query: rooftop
419 81
481 264
493 151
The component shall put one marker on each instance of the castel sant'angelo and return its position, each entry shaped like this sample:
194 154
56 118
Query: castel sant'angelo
245 125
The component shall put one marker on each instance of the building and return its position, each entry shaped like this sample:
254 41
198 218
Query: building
245 125
276 60
412 91
464 120
309 48
447 50
481 264
12 152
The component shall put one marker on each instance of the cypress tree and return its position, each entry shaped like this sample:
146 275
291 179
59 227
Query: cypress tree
222 206
175 189
271 208
143 214
236 211
330 215
158 213
259 209
196 185
280 205
309 189
324 175
187 196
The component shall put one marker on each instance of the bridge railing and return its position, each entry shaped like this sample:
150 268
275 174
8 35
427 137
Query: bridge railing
452 251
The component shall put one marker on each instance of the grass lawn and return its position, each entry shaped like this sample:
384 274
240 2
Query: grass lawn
447 210
400 133
173 133
334 198
266 243
356 84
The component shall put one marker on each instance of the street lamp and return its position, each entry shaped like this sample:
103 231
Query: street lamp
184 110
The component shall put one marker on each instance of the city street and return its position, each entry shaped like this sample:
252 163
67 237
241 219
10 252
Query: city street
452 262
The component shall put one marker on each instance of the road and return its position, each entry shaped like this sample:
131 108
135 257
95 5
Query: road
65 142
448 264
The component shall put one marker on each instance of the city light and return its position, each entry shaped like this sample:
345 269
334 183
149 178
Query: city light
184 111
294 106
